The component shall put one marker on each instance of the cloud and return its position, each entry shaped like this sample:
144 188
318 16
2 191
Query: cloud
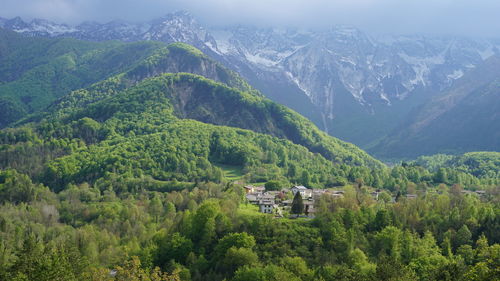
462 17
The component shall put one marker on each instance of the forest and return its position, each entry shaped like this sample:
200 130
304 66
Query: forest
206 231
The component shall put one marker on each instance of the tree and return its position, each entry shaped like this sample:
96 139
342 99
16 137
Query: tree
463 236
441 176
273 185
268 273
238 257
156 207
238 240
306 178
133 271
175 247
297 266
382 219
297 204
385 197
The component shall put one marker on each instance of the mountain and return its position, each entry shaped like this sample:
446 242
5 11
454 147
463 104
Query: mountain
175 115
37 71
352 85
236 106
464 118
361 86
153 122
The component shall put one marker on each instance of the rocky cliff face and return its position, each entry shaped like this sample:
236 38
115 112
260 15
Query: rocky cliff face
371 69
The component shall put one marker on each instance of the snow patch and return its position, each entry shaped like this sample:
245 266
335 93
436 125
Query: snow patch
488 52
455 75
384 97
222 38
297 82
258 59
348 60
212 47
422 66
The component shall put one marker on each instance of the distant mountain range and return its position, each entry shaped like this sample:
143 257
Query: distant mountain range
464 118
352 85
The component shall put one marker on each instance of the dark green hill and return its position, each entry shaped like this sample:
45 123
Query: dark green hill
195 97
480 164
147 130
142 123
36 71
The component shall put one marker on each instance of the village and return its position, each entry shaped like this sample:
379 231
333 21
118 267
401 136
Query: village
279 202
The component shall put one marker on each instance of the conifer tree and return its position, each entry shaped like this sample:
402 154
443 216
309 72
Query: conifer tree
297 204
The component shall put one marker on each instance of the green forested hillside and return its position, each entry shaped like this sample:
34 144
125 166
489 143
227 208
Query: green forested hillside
142 131
479 164
36 71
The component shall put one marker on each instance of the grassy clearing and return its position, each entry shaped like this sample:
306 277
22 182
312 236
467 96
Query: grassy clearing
231 173
249 210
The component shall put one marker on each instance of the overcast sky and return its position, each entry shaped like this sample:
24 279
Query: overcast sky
459 17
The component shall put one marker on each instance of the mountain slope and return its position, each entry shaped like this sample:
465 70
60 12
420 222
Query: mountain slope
479 164
195 97
142 131
89 133
36 71
352 85
233 103
466 118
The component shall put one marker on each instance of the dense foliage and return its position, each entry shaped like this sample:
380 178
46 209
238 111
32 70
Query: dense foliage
202 232
36 71
479 164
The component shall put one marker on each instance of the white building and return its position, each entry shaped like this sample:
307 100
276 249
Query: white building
267 206
304 191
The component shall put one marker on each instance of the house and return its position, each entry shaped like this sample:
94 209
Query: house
285 190
317 193
255 198
375 194
480 192
267 206
477 192
252 198
411 196
336 191
271 193
309 209
254 189
304 191
336 195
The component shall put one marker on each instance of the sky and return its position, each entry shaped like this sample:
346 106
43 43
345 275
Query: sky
474 18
